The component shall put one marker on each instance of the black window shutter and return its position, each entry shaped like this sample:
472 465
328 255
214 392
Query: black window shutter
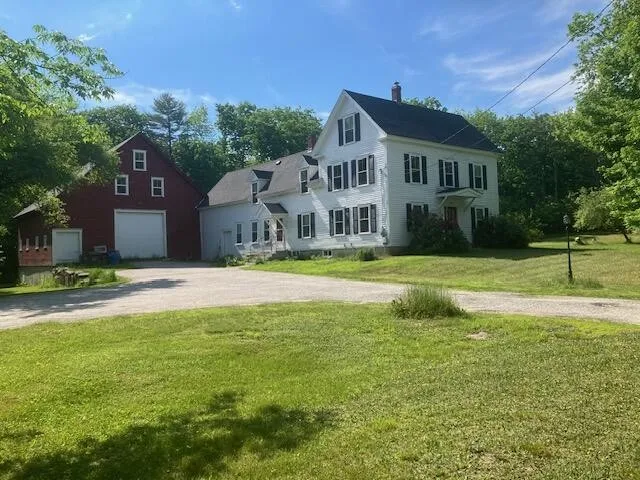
373 219
357 122
486 213
409 213
407 169
355 219
372 169
472 183
340 133
424 168
354 173
331 223
441 169
473 219
484 177
329 178
347 222
299 226
313 224
425 209
345 174
455 174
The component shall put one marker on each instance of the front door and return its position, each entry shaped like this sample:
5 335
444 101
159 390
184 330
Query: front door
451 215
227 243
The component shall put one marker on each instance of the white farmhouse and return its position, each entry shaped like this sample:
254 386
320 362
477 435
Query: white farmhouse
374 162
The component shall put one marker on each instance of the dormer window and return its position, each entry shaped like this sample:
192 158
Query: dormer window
140 160
304 181
254 192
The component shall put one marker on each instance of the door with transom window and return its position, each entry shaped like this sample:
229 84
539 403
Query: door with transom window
451 215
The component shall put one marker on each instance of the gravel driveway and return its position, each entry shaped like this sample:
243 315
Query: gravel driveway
174 286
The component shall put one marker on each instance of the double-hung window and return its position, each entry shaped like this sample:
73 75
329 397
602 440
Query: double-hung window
266 235
306 225
254 232
363 172
254 192
122 185
304 181
349 129
157 187
338 222
238 234
364 224
416 173
477 176
337 177
449 179
414 210
140 160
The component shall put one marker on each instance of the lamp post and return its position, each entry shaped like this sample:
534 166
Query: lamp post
565 220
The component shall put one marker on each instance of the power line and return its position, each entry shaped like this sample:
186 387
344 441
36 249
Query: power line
571 80
553 55
552 93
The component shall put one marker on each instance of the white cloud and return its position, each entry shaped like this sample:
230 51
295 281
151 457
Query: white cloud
484 68
142 95
235 5
538 87
455 24
110 19
336 6
495 72
208 99
555 10
83 37
323 115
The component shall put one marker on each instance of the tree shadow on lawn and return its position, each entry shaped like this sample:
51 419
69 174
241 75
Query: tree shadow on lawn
524 253
198 443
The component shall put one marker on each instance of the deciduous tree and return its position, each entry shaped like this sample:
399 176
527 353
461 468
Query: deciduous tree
609 99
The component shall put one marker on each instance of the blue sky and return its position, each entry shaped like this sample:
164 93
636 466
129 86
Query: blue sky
302 53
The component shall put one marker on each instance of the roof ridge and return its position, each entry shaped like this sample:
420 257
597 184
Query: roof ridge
350 92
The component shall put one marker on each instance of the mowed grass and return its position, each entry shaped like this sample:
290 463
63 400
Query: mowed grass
319 391
608 268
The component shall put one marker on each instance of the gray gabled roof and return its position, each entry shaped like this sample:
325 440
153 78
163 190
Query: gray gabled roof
281 175
413 121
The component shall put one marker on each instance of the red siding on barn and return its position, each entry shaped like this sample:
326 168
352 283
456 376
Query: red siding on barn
32 226
91 207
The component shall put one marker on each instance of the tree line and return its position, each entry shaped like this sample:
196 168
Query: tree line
242 134
585 161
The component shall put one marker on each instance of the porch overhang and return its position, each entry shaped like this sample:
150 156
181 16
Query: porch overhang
468 195
275 210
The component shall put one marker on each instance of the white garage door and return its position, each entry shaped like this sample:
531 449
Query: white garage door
140 233
66 245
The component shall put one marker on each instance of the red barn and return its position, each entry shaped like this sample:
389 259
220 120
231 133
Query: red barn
148 211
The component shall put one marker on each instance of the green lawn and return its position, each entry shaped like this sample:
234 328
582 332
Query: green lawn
606 269
322 391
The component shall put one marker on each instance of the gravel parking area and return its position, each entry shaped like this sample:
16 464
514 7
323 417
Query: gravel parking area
174 286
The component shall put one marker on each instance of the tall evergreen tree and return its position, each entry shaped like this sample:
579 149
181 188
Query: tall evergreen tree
168 120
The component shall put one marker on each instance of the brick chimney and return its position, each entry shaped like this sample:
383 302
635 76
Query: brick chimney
311 142
396 93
